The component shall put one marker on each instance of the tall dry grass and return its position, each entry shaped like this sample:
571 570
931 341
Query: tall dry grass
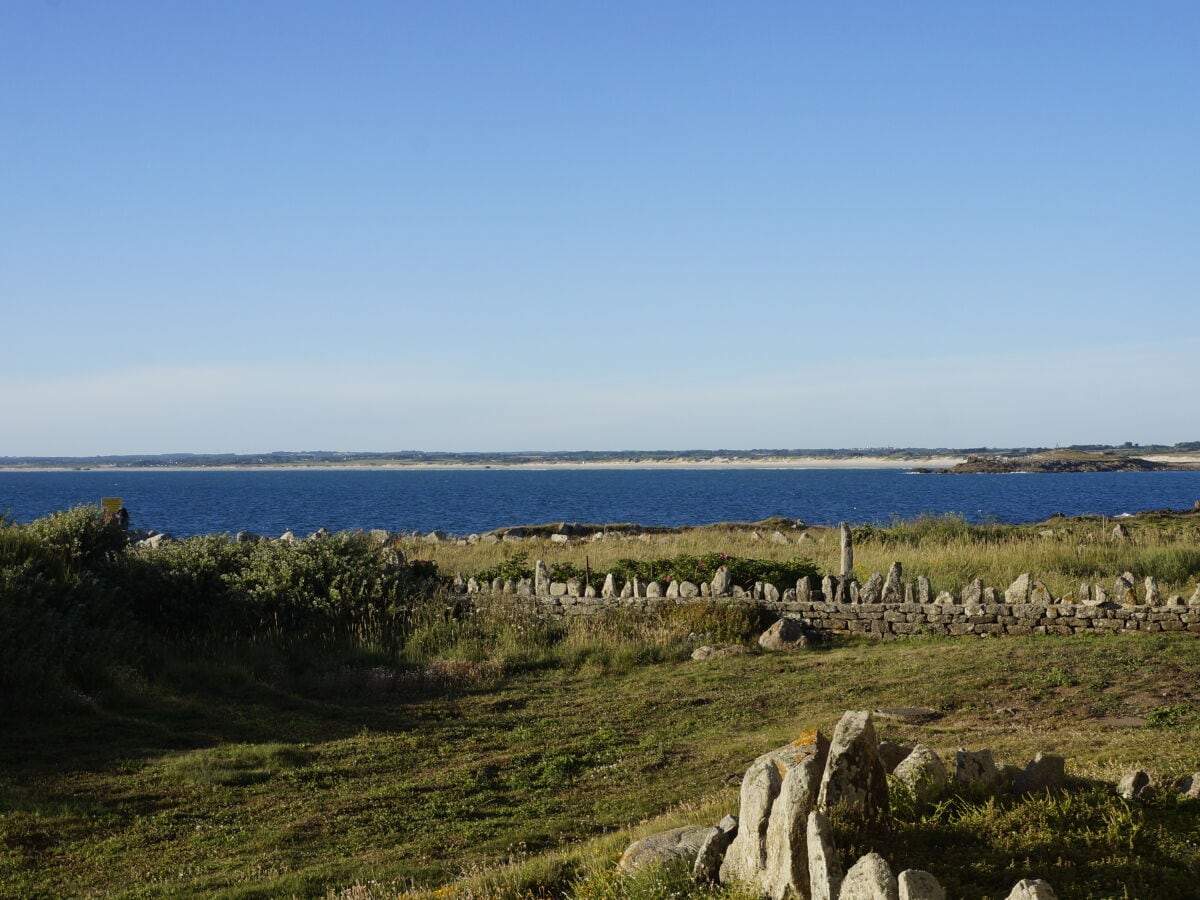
950 552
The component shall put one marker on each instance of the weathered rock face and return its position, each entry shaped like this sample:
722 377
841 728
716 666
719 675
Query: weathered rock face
893 589
687 590
1047 772
870 878
721 582
891 755
654 589
673 590
678 843
541 579
746 859
1018 591
785 872
1153 594
707 868
917 884
872 591
824 871
1123 592
924 590
770 593
609 590
976 770
1190 788
786 634
923 773
972 594
847 551
854 781
1136 785
718 651
1040 595
1033 888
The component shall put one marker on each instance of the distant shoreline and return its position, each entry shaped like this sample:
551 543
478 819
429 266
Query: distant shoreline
807 462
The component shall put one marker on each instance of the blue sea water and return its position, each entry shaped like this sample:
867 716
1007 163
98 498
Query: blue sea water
461 501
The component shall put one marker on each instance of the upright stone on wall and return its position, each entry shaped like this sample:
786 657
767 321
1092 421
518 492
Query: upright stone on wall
541 579
847 551
893 590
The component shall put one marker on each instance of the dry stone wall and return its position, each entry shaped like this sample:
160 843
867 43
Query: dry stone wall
886 608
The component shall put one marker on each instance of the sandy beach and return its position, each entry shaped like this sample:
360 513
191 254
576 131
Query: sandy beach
716 462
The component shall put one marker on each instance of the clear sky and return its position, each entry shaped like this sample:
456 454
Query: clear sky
253 226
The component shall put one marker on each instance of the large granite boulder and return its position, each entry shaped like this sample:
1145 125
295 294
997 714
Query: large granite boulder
707 867
854 781
1032 889
785 872
870 878
976 770
824 869
786 634
917 884
746 859
1047 772
923 773
666 846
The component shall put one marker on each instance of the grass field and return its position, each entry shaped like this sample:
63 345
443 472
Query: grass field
275 788
310 720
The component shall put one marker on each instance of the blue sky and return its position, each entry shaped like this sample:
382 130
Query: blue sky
557 225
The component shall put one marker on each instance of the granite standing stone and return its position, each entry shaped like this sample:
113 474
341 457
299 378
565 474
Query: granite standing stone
854 780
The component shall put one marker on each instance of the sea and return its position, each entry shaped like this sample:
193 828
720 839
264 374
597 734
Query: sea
474 500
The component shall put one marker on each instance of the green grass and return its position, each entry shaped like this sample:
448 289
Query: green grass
278 785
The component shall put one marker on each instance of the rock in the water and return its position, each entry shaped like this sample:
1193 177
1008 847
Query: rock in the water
870 878
1018 591
917 884
707 868
786 634
854 780
1047 772
747 856
824 870
891 755
1135 786
976 770
1032 888
721 583
678 843
923 773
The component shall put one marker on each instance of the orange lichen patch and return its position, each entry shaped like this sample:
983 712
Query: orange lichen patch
806 739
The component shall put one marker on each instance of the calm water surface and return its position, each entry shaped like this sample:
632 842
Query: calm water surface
473 500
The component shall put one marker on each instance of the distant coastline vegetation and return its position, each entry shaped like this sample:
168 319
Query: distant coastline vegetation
319 458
